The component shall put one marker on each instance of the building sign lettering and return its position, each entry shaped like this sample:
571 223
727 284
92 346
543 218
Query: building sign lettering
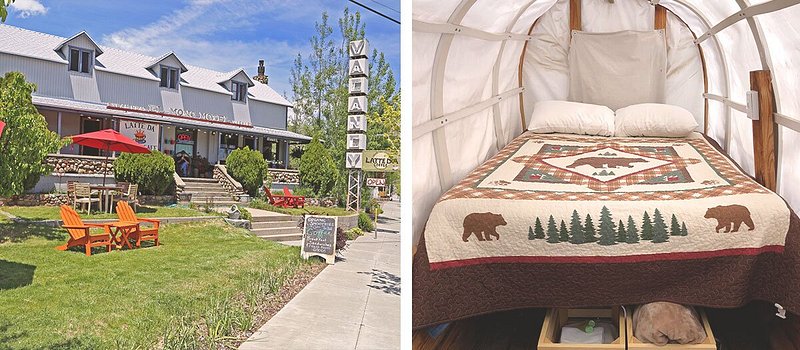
178 112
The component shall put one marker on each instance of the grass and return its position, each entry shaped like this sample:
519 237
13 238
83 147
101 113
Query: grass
309 209
43 212
197 290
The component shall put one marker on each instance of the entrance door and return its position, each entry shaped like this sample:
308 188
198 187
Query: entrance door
184 151
90 125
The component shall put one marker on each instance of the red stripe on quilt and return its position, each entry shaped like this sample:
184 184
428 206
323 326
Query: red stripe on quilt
606 259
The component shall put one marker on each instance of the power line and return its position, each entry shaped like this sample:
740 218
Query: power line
386 6
375 11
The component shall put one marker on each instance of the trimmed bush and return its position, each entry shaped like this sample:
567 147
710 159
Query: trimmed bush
317 169
365 222
249 168
152 172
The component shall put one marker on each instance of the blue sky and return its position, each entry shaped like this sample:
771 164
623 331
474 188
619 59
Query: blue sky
216 34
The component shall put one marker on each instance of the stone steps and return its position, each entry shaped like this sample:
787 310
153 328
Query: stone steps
273 224
267 232
203 190
283 237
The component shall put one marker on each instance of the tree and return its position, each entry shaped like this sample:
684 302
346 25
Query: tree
576 235
530 233
606 222
4 4
621 237
660 234
538 231
631 235
647 227
317 169
675 227
684 232
552 233
26 141
249 168
563 233
589 232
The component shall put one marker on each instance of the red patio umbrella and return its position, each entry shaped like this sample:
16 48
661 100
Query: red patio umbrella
109 140
2 125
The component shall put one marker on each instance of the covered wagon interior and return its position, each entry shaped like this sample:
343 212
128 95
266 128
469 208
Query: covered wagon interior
481 68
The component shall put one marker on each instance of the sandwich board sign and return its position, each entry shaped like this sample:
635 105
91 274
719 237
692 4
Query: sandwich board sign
319 237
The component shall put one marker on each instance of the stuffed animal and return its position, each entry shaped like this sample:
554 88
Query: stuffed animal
661 323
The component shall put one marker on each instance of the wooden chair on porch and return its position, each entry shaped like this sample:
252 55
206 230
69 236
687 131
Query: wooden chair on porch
275 200
131 195
84 195
125 213
79 232
294 201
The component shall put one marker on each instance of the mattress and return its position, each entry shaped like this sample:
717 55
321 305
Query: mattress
577 221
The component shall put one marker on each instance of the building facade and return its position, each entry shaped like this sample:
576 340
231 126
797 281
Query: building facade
196 115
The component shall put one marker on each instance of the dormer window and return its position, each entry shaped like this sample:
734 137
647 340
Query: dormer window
170 77
80 60
238 91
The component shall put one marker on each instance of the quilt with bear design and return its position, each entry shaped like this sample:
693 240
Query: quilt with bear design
581 221
554 198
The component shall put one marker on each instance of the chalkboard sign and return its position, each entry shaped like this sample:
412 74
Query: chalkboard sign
319 237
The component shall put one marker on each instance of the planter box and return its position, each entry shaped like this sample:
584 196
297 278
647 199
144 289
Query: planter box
708 344
557 318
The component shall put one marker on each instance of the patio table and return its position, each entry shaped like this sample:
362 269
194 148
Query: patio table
120 230
106 194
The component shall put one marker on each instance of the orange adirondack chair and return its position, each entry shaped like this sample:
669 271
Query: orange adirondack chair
296 201
79 232
278 201
125 213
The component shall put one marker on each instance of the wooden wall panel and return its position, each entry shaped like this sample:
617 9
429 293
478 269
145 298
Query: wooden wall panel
765 142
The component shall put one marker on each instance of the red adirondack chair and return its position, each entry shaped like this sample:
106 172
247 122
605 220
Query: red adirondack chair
79 232
125 213
278 201
296 201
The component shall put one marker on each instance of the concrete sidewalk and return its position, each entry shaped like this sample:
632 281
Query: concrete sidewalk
353 304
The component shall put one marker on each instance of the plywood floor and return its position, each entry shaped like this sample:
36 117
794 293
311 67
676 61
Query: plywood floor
747 328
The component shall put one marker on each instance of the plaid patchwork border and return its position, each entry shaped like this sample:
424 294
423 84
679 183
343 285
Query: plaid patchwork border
739 183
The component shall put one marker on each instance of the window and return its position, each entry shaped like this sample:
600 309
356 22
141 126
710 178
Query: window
239 91
80 60
170 77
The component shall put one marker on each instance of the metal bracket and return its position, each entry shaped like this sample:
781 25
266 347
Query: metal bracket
752 105
781 311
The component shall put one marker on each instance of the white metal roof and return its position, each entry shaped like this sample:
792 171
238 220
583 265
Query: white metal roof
28 43
98 108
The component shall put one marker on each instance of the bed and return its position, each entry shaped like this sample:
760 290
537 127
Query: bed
560 220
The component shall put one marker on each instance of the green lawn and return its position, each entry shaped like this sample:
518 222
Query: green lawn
51 212
193 291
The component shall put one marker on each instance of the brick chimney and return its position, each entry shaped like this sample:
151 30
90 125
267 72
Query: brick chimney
264 79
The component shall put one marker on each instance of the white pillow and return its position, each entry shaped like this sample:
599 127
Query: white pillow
654 119
572 118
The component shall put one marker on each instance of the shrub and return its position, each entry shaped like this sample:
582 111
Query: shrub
317 169
245 214
341 239
303 191
249 168
353 233
365 222
151 171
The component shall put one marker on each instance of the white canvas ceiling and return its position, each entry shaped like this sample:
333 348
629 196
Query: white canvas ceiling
466 75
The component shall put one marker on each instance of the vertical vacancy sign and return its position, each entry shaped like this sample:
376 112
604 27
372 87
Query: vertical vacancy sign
356 120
